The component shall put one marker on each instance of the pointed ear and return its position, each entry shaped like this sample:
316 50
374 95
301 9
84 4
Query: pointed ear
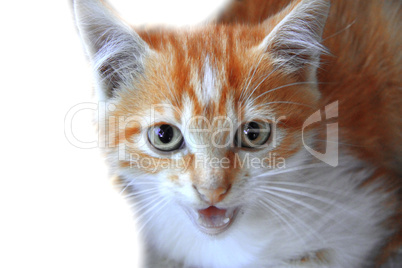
294 43
115 50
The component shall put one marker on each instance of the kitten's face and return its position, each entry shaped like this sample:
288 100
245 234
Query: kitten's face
211 118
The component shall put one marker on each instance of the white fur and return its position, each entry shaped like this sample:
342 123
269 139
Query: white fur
210 92
348 226
206 87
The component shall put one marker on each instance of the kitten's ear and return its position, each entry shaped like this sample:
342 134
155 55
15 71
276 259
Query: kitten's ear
294 43
115 50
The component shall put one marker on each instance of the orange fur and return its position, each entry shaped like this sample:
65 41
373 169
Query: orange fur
362 72
364 68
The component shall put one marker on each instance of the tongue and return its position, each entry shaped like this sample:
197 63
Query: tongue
212 211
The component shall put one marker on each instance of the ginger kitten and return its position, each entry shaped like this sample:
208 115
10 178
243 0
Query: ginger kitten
269 137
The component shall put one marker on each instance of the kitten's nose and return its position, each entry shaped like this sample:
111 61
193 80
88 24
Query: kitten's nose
213 195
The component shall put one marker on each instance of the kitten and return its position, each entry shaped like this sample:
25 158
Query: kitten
270 137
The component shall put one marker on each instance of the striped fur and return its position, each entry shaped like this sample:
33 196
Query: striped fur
258 61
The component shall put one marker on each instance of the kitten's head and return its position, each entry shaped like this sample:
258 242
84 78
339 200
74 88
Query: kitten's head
197 119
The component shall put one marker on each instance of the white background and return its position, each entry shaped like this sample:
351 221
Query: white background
57 207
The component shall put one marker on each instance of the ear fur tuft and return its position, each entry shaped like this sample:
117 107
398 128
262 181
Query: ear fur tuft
294 43
115 50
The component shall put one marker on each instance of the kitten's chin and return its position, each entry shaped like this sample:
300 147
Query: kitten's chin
212 220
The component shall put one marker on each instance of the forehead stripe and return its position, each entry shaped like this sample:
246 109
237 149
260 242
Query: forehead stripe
209 90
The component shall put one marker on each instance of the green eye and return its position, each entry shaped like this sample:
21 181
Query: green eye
165 137
252 134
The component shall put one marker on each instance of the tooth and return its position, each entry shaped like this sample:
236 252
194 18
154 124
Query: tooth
226 220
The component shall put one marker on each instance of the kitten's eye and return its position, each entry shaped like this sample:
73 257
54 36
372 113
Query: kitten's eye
252 134
165 137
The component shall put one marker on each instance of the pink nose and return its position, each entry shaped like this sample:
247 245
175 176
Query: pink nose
212 195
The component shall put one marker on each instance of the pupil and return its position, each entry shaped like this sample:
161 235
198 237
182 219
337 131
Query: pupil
252 131
165 133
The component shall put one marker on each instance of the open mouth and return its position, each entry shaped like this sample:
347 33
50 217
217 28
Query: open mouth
213 220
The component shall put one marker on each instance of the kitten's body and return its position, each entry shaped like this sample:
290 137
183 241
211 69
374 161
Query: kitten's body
306 214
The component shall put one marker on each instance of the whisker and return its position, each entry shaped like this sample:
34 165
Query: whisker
151 216
245 89
142 206
298 202
342 143
265 78
340 31
288 170
329 202
284 102
142 192
323 214
125 187
281 218
276 68
283 86
137 182
133 183
304 194
139 208
305 185
295 219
